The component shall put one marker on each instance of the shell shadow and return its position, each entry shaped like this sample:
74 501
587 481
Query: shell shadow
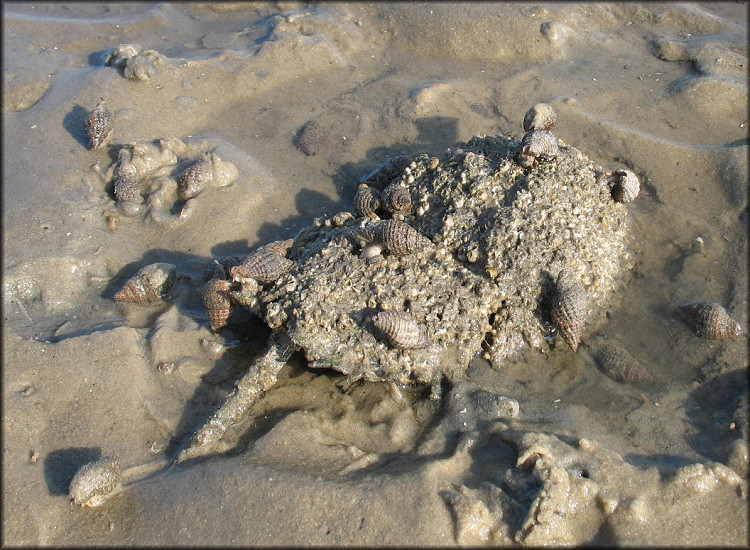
73 123
61 465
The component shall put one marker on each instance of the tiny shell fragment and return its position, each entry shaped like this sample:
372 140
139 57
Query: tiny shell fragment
540 117
401 329
149 284
617 363
98 125
570 309
95 482
710 320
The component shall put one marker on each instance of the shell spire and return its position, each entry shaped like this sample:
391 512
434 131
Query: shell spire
401 329
710 320
149 284
570 309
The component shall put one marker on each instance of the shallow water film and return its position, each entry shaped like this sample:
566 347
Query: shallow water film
188 135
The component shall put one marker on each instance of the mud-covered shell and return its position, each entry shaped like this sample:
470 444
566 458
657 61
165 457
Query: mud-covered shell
311 137
263 265
624 185
217 301
400 238
570 308
98 125
535 146
617 363
366 201
387 172
279 248
540 117
396 199
150 284
139 67
401 329
196 177
126 188
95 481
710 320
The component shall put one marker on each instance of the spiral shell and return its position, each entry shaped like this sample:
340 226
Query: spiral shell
265 265
366 201
401 329
535 146
396 199
710 320
98 125
570 309
216 300
617 363
195 177
386 173
311 138
400 238
149 284
126 188
96 481
540 117
623 184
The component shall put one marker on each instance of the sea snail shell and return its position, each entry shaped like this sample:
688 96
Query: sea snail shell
570 309
617 363
266 264
98 125
540 117
710 320
95 482
623 184
366 201
149 284
537 145
401 329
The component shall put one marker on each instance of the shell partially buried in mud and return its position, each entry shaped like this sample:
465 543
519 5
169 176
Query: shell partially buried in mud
540 117
624 185
126 188
617 363
710 320
216 300
150 284
265 265
401 329
95 482
311 138
537 145
99 125
366 201
570 309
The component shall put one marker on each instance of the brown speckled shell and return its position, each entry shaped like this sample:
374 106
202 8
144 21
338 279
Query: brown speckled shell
385 174
540 117
195 177
396 199
279 248
311 138
570 309
617 363
126 188
400 238
263 265
710 320
366 201
149 284
535 146
401 329
95 481
98 125
216 301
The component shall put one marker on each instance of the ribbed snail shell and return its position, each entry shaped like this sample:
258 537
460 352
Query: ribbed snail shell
216 301
400 238
625 185
366 201
263 265
95 481
195 177
540 117
396 199
535 146
710 320
278 247
570 309
149 284
401 329
126 188
98 125
617 363
311 138
385 174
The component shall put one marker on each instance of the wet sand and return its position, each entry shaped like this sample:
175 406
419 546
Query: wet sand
660 89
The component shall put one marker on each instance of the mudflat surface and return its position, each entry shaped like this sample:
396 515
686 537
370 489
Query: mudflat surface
660 89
